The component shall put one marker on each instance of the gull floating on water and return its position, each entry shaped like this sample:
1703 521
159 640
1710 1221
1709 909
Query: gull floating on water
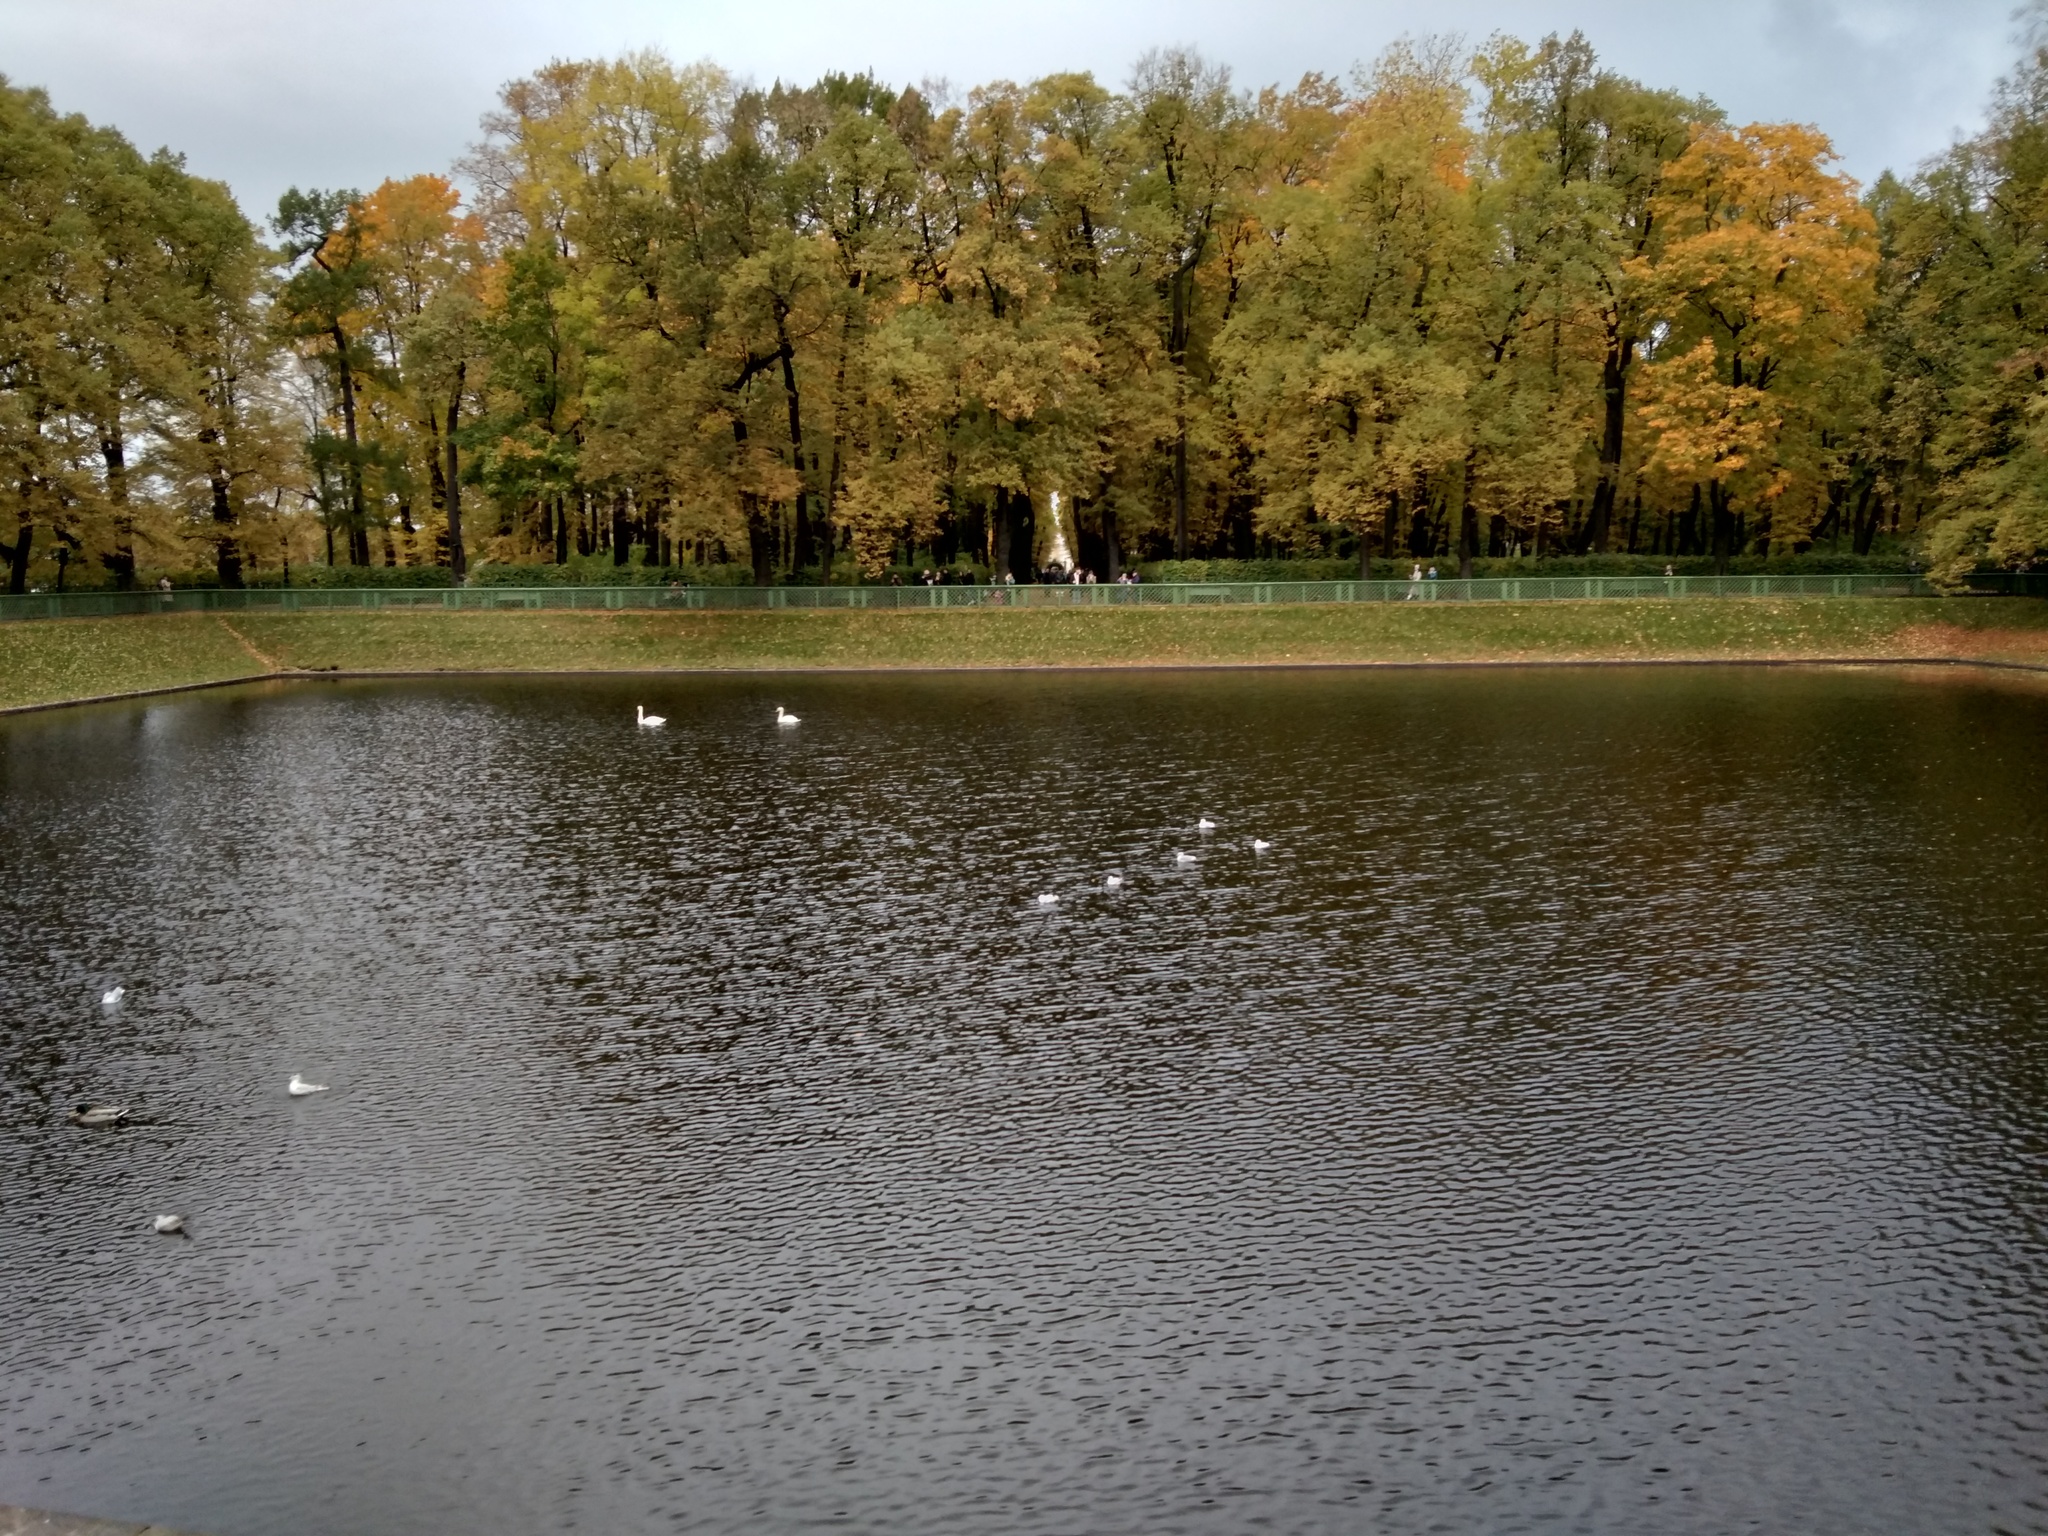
640 714
1048 900
97 1116
784 717
170 1225
1113 883
1260 845
112 996
1183 859
298 1088
1205 825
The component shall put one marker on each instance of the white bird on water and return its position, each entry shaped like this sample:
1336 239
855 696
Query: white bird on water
1183 859
96 1117
298 1088
170 1226
784 717
1260 845
1205 825
1113 883
112 997
1048 900
651 721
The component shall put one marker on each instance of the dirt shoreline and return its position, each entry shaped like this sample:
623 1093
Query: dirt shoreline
1528 663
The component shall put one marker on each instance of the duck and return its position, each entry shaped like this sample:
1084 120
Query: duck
652 722
1048 900
96 1117
1183 859
1113 882
784 717
1205 825
298 1088
170 1226
112 997
1260 845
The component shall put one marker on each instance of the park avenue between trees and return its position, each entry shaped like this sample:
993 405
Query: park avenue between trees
1458 305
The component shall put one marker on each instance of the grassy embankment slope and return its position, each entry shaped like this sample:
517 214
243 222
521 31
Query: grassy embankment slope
45 662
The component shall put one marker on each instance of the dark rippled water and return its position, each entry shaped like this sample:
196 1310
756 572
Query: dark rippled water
1618 1102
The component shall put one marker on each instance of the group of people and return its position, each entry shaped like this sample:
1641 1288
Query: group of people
1051 576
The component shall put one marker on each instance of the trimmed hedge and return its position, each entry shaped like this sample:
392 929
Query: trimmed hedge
598 571
1581 565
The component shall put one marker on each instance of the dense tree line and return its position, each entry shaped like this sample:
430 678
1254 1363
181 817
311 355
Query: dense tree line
1504 304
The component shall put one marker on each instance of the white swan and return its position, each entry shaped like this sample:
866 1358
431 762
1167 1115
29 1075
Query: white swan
169 1224
112 996
1113 883
640 714
1205 825
1048 900
298 1088
784 717
1260 845
1183 859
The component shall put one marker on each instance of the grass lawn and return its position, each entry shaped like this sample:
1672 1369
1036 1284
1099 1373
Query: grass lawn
54 660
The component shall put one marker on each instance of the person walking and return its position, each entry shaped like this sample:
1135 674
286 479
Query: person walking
1414 583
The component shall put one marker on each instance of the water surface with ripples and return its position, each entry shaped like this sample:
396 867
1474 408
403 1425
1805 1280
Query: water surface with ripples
1618 1101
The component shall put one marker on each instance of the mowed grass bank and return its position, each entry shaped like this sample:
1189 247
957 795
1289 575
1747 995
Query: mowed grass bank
50 661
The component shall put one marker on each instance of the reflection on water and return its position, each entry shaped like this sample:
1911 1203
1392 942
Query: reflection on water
1616 1102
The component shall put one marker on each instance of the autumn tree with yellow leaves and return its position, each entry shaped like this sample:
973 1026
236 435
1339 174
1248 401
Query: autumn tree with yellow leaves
1766 275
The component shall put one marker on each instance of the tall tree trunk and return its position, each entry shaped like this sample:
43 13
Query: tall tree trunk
458 557
17 552
1468 520
622 530
999 555
805 550
761 539
1865 521
1613 399
561 529
1723 525
1023 551
227 546
359 532
114 450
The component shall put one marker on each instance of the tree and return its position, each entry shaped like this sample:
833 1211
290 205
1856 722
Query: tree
323 239
1766 274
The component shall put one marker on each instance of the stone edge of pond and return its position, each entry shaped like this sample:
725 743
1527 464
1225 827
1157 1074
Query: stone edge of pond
15 1521
296 675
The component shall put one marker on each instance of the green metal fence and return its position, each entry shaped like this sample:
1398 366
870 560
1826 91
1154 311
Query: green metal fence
1508 589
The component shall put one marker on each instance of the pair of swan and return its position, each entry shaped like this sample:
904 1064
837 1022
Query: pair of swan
640 718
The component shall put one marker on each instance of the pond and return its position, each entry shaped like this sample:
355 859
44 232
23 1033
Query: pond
1615 1101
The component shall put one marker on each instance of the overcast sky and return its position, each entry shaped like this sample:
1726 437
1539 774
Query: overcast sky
268 93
